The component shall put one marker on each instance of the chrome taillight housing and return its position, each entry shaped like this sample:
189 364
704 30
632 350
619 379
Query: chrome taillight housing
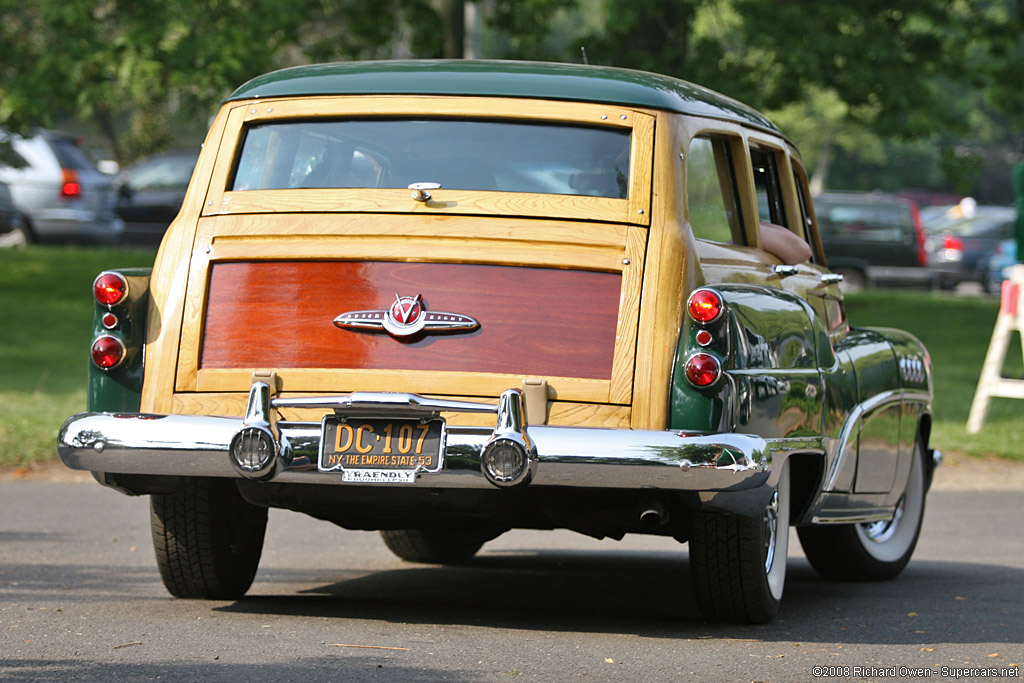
703 369
108 352
705 305
110 289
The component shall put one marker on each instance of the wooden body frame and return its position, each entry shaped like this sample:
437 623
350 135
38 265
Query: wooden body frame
645 238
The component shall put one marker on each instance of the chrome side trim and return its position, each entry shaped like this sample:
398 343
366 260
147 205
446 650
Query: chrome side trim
853 420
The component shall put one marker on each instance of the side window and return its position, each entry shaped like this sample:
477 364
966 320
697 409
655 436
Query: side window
774 233
711 192
804 198
770 207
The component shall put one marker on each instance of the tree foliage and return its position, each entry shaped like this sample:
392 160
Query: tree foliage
839 75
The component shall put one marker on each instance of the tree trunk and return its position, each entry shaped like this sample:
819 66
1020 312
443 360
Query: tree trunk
453 17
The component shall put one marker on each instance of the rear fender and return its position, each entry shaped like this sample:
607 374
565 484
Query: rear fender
119 389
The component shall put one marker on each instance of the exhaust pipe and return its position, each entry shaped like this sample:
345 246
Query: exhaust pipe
653 512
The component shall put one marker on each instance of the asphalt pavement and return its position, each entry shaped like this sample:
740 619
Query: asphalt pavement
81 600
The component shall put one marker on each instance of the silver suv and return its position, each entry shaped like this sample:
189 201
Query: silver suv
59 191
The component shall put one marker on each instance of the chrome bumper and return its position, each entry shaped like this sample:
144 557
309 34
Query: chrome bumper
195 445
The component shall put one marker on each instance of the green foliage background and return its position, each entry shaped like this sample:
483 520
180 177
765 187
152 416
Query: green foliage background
849 80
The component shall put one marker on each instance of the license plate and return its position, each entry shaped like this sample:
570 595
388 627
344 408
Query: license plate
381 450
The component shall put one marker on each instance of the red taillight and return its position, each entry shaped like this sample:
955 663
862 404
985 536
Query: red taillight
70 187
110 289
108 352
703 369
952 243
705 305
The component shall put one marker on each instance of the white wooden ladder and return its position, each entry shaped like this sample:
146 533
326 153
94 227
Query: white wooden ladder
991 383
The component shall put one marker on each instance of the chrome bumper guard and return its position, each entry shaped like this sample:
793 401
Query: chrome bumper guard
262 447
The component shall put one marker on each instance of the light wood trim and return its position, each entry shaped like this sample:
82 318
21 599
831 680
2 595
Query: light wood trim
641 158
635 209
192 324
621 390
788 187
436 106
418 249
746 189
560 413
812 229
168 284
663 285
444 202
414 381
494 230
225 158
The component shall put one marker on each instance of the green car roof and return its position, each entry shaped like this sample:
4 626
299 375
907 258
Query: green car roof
574 82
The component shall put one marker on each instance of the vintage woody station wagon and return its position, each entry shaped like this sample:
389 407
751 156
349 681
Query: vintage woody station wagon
447 299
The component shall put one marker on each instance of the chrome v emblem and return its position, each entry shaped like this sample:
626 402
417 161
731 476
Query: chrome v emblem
407 316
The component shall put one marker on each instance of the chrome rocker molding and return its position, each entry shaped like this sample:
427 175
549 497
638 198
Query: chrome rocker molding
198 445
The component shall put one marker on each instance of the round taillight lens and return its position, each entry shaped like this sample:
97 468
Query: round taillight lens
705 305
703 369
108 352
110 289
70 187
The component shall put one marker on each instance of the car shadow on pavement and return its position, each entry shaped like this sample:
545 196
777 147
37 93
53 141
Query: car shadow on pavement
649 594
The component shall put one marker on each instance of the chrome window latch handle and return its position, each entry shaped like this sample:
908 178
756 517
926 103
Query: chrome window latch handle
420 190
831 278
785 271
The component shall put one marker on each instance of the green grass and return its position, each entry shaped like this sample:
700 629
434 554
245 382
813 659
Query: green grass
956 331
46 302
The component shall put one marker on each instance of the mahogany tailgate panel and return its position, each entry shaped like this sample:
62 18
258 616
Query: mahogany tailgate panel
533 321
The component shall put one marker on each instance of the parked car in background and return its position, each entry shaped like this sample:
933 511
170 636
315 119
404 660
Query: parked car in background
12 227
59 192
873 239
1000 262
150 192
960 243
447 299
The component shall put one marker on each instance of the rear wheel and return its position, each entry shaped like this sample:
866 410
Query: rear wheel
208 540
432 546
739 563
874 551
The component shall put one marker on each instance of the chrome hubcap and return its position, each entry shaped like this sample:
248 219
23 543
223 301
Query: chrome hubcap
883 530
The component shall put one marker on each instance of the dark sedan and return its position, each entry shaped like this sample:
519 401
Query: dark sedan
150 193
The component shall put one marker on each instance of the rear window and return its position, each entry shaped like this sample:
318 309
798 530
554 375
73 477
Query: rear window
500 156
70 155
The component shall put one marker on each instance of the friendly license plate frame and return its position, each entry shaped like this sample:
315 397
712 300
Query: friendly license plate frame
381 450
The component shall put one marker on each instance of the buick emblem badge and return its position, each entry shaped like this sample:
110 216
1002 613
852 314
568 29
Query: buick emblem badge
407 316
